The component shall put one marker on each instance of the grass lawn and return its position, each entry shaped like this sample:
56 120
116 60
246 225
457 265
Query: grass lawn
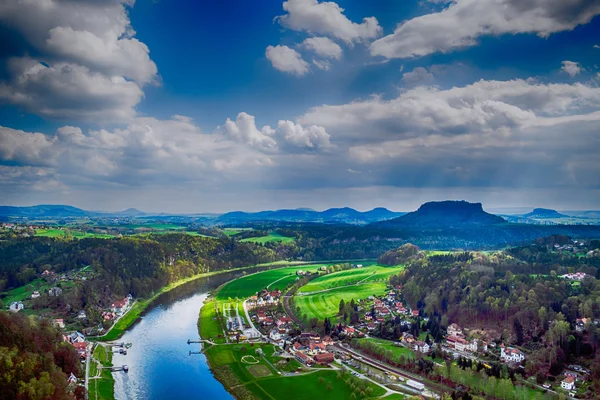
102 388
265 383
350 277
24 292
208 324
249 285
271 237
326 304
308 387
388 345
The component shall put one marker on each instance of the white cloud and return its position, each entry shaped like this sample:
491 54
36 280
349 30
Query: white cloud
327 18
322 64
69 91
596 46
324 47
571 68
312 137
90 50
464 21
418 76
244 129
286 59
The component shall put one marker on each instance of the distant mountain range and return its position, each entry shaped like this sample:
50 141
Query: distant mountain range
458 214
447 214
61 211
333 215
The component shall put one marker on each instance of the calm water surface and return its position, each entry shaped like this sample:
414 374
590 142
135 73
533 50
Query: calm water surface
160 366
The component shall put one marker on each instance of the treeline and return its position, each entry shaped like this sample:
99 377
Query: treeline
34 361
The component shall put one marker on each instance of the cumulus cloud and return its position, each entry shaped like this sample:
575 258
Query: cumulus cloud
324 47
288 133
87 48
322 64
571 68
327 18
244 129
417 76
461 24
286 59
311 137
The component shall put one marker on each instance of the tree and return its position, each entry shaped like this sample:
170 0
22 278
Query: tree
342 306
329 386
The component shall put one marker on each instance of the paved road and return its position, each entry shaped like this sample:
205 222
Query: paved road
87 369
250 321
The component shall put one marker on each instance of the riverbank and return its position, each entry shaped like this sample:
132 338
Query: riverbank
119 328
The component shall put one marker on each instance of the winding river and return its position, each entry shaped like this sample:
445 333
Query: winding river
160 366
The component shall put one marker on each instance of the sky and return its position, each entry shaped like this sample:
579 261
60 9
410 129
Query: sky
188 106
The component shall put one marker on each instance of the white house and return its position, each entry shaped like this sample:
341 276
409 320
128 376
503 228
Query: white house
16 306
35 294
421 346
55 291
509 354
275 335
454 330
568 383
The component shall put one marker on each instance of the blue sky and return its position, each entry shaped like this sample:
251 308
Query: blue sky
214 106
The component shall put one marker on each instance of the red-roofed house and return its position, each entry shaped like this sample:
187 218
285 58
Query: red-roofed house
324 358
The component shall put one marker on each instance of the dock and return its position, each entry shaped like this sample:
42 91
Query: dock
123 368
190 341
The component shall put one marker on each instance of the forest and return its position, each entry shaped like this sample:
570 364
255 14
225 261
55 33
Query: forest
34 361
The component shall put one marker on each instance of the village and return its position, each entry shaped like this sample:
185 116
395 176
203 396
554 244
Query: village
267 321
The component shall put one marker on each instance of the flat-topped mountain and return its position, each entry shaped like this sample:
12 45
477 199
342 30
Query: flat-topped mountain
545 213
447 214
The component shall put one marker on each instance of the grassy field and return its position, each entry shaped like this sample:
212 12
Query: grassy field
208 324
396 350
350 277
63 233
271 237
266 383
249 285
24 292
102 388
326 304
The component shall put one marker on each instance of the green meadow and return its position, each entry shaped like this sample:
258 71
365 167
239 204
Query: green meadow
64 233
249 285
326 304
353 276
271 237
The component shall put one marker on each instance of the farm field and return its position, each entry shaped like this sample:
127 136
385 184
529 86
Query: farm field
350 277
24 292
272 237
61 233
326 304
249 285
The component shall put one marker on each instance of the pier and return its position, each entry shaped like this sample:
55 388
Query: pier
190 341
123 368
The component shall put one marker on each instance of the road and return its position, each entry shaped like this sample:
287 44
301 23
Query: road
87 368
250 321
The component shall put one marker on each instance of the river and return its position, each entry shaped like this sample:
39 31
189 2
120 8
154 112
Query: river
160 366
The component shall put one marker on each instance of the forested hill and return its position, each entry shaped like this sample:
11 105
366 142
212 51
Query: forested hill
35 361
135 265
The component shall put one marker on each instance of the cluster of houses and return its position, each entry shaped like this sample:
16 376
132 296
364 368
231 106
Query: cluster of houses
311 349
264 298
456 340
417 345
511 355
77 339
577 276
283 326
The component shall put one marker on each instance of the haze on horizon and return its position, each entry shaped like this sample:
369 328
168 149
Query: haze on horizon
184 107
